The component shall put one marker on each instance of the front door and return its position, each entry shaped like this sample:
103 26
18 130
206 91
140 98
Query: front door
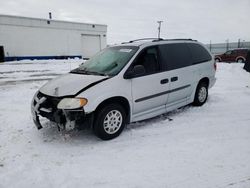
149 91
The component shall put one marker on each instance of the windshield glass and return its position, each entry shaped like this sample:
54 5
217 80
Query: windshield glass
108 62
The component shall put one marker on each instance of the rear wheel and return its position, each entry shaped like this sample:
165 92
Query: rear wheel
110 121
201 94
240 60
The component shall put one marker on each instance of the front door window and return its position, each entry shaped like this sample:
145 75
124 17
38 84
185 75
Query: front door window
149 59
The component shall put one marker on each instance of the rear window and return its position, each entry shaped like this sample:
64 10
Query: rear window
199 53
175 56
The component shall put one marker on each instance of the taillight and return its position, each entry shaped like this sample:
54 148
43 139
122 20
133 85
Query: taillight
215 66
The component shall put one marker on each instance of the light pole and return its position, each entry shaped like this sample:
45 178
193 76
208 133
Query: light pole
227 44
159 28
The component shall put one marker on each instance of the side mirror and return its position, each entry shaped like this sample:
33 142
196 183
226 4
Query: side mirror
138 70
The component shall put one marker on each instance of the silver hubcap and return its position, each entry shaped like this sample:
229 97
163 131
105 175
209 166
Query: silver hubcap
112 122
202 94
240 61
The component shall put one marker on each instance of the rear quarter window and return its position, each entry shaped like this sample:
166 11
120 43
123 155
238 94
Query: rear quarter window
175 56
242 51
199 53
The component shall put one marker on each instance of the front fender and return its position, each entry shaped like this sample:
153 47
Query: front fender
106 90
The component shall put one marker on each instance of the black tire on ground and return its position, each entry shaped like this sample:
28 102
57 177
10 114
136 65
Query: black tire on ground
240 60
110 121
201 94
217 60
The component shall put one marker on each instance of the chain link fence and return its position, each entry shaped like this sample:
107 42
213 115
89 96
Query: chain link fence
220 48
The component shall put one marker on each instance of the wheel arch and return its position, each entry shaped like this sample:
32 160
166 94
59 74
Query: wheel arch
202 80
118 100
205 80
240 57
217 57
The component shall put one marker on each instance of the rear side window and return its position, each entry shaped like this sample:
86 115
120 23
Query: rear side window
199 53
242 51
175 56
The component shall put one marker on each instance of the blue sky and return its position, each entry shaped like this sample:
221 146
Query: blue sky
215 20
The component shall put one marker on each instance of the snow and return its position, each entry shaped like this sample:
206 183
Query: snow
202 147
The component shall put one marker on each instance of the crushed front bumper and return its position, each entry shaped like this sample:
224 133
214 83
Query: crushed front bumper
35 105
36 120
46 106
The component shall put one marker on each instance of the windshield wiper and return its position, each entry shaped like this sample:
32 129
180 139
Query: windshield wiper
82 71
96 73
78 71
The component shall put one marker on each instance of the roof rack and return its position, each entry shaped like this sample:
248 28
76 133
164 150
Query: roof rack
151 39
176 39
155 40
172 40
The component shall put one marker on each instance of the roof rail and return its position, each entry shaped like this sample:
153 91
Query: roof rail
156 40
174 39
152 39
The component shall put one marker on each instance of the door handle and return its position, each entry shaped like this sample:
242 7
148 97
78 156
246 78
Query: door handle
173 79
164 81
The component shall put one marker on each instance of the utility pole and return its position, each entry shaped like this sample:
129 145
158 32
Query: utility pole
227 44
243 43
50 15
50 18
210 46
159 28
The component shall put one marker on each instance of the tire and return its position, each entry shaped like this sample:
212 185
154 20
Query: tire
217 60
201 94
240 60
109 122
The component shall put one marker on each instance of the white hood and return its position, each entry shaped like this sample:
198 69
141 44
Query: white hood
69 84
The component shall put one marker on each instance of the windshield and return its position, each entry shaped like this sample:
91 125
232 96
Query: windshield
109 61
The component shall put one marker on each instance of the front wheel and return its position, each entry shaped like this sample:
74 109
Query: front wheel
201 94
217 60
110 121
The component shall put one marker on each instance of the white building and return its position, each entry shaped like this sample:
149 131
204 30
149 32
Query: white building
33 38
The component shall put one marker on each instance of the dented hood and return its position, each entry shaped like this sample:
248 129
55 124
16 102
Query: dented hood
69 84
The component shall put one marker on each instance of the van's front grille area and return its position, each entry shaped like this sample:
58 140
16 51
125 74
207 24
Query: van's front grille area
50 102
48 107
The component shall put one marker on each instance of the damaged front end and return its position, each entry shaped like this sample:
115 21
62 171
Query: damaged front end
56 110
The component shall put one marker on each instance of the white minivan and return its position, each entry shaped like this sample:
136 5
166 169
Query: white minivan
126 83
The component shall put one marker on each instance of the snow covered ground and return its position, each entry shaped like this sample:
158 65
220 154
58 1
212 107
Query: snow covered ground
202 147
